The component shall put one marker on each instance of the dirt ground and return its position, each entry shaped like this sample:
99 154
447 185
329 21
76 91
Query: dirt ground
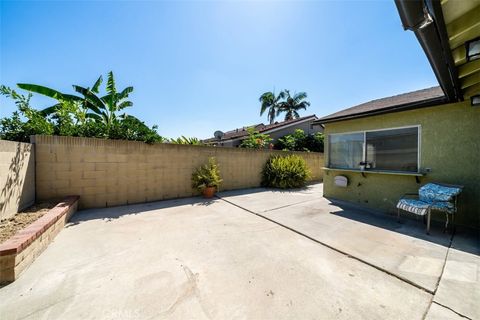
10 226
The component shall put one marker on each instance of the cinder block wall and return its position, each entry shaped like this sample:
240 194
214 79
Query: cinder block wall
114 172
17 177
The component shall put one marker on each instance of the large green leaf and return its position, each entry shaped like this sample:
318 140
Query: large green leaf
124 94
97 84
71 97
41 90
111 89
90 97
124 105
91 106
48 111
94 116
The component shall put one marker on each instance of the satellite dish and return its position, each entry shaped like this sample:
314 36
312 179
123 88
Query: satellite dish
218 134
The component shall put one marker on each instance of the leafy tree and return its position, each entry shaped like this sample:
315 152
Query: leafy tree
87 115
15 128
315 142
299 141
102 109
271 102
255 140
131 128
292 104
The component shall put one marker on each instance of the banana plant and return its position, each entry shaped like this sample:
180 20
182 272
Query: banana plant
51 93
186 140
61 97
105 109
101 109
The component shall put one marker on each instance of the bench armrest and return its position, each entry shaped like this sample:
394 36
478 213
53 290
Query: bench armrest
409 195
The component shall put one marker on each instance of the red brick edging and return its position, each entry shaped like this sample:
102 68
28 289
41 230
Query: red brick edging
14 256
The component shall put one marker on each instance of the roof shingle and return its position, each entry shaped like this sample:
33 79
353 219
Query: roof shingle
240 132
419 98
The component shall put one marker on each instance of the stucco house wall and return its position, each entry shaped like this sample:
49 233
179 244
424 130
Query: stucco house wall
450 146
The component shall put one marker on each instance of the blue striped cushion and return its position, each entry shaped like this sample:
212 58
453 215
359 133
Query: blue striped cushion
420 207
413 206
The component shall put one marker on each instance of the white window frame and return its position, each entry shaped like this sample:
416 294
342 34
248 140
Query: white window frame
419 144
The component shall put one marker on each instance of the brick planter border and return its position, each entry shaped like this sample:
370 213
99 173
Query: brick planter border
19 251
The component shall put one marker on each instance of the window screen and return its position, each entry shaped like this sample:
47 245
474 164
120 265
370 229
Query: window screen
345 150
390 150
395 150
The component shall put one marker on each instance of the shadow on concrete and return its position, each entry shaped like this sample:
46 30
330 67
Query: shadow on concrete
112 213
467 240
239 192
412 226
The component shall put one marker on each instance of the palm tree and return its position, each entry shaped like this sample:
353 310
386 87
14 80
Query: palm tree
291 105
271 102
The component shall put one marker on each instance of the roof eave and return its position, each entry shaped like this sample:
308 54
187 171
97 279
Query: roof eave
426 21
403 107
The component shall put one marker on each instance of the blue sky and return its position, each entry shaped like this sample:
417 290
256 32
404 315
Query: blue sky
199 66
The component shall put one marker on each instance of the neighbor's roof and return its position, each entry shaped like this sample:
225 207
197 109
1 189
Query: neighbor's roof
405 101
262 128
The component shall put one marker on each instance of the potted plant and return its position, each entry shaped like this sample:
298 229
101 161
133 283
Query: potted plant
207 178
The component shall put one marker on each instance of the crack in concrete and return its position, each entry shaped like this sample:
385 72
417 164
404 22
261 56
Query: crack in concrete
439 279
288 205
459 314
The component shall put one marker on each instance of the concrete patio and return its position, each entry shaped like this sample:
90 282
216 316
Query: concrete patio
251 254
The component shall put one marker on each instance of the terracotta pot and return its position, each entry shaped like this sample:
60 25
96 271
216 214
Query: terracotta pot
208 192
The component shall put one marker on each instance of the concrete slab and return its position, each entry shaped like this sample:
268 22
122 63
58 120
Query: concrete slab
199 260
261 199
400 248
437 312
459 288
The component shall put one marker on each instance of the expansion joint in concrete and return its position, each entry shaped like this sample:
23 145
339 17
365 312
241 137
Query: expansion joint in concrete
330 247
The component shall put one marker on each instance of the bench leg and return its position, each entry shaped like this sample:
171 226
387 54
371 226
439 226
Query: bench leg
446 224
453 223
428 222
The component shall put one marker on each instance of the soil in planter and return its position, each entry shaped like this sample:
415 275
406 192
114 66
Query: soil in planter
10 226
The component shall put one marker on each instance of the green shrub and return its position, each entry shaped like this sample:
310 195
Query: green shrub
207 175
299 141
285 172
256 140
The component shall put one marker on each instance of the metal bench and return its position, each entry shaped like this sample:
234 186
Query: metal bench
432 196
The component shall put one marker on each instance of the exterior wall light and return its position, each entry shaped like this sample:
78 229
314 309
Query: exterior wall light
475 100
472 49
